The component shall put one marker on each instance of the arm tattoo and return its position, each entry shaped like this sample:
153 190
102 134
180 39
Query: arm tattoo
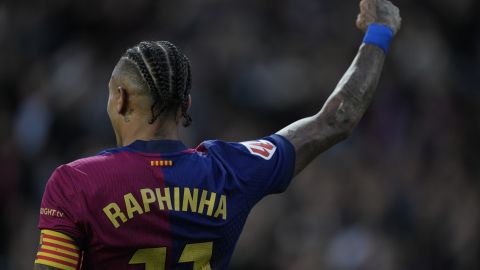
341 112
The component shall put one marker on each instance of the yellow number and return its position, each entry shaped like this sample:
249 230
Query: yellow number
154 258
199 254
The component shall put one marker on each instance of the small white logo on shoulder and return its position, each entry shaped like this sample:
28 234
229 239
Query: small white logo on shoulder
261 148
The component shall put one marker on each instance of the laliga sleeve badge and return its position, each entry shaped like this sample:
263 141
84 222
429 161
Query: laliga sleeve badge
261 148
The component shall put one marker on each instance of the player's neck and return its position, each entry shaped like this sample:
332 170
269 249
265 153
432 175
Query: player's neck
155 131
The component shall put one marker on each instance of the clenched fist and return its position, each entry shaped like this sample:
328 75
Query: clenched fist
379 11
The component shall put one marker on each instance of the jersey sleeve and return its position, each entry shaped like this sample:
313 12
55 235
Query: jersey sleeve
61 208
260 167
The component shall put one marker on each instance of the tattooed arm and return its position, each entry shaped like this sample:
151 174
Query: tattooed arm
350 99
342 111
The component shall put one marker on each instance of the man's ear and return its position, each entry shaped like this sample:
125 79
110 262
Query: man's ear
189 101
122 101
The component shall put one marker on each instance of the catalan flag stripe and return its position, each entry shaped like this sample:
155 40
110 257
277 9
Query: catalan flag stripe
161 163
59 252
54 263
63 248
51 254
57 234
58 239
48 239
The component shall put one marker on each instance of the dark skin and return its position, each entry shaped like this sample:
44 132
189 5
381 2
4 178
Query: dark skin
44 267
310 136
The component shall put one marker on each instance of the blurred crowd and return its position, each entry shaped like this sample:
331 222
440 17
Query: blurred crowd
403 192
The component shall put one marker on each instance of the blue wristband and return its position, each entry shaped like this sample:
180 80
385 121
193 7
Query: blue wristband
379 35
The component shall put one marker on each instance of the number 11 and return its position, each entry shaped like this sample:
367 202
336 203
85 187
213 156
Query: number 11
154 258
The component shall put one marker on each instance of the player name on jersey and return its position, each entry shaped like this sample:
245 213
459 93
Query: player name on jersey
184 199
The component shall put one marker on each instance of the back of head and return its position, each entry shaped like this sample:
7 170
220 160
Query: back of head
161 70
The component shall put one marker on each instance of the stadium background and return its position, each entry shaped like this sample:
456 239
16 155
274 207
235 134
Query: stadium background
401 193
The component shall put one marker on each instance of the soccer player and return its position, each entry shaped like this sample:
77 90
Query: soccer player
153 203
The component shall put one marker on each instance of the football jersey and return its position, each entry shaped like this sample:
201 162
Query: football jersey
157 205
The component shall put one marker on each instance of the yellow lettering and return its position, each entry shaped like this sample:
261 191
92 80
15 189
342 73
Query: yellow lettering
189 200
148 197
222 207
132 205
165 199
184 199
176 198
210 202
117 213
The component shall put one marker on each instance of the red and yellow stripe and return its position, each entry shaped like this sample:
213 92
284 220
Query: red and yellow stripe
161 163
57 250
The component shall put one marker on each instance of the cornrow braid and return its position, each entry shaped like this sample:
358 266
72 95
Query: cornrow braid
185 102
167 73
159 67
181 78
134 54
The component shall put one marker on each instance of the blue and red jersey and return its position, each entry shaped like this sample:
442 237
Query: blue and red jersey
158 205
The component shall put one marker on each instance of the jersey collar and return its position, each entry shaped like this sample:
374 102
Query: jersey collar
157 146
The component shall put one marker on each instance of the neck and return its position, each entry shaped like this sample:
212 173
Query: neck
131 132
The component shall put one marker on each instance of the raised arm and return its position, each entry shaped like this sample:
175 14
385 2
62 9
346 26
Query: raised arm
353 94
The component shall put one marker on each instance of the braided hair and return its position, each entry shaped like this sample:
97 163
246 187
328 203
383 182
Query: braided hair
166 71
